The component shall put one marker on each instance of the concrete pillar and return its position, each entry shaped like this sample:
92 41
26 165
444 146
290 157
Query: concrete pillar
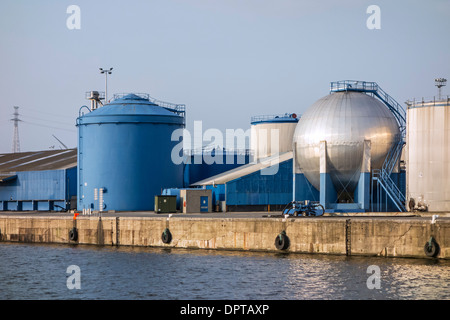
362 191
328 193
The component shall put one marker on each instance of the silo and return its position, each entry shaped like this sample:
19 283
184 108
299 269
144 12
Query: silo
428 155
337 132
124 154
272 134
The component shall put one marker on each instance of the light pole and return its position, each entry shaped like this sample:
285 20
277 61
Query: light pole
106 72
440 82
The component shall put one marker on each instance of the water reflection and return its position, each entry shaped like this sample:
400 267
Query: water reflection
340 277
39 272
426 280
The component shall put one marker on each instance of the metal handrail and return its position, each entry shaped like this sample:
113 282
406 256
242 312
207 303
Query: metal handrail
392 157
179 109
273 116
382 176
395 192
353 85
145 96
394 106
374 88
391 188
79 111
101 94
428 100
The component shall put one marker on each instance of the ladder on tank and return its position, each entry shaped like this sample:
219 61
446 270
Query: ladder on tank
382 176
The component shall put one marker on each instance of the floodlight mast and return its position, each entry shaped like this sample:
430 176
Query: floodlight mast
106 72
440 82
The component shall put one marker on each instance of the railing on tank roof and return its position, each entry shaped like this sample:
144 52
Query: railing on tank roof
89 94
434 101
353 85
373 88
145 96
273 116
179 109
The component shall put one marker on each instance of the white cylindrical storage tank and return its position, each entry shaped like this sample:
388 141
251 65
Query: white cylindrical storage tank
428 156
272 134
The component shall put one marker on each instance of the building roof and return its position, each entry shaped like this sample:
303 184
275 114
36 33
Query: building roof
246 169
10 163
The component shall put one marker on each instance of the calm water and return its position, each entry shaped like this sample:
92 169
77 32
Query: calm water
34 271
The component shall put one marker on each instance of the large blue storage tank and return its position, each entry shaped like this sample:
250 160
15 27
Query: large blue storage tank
124 148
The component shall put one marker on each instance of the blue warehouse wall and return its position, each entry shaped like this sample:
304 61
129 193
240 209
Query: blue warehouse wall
198 168
71 179
38 190
259 189
304 190
218 193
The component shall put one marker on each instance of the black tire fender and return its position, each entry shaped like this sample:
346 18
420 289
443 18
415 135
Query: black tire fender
73 234
431 248
166 236
282 241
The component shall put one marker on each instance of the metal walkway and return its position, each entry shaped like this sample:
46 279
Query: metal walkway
382 176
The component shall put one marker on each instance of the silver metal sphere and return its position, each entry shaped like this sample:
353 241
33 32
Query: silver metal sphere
344 120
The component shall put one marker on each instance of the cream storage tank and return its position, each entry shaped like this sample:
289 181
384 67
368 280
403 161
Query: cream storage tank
428 155
272 134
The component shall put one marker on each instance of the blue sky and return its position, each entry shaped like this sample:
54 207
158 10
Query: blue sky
226 60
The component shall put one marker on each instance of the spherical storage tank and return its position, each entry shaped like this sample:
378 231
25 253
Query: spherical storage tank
124 149
344 120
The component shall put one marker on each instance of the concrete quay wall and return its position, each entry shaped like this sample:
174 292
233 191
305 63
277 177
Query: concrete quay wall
389 237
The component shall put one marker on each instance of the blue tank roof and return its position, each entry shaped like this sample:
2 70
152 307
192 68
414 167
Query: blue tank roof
131 108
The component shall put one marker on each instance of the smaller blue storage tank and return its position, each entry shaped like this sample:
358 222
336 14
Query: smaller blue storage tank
124 154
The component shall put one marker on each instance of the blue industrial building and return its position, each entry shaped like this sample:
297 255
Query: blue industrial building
41 180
